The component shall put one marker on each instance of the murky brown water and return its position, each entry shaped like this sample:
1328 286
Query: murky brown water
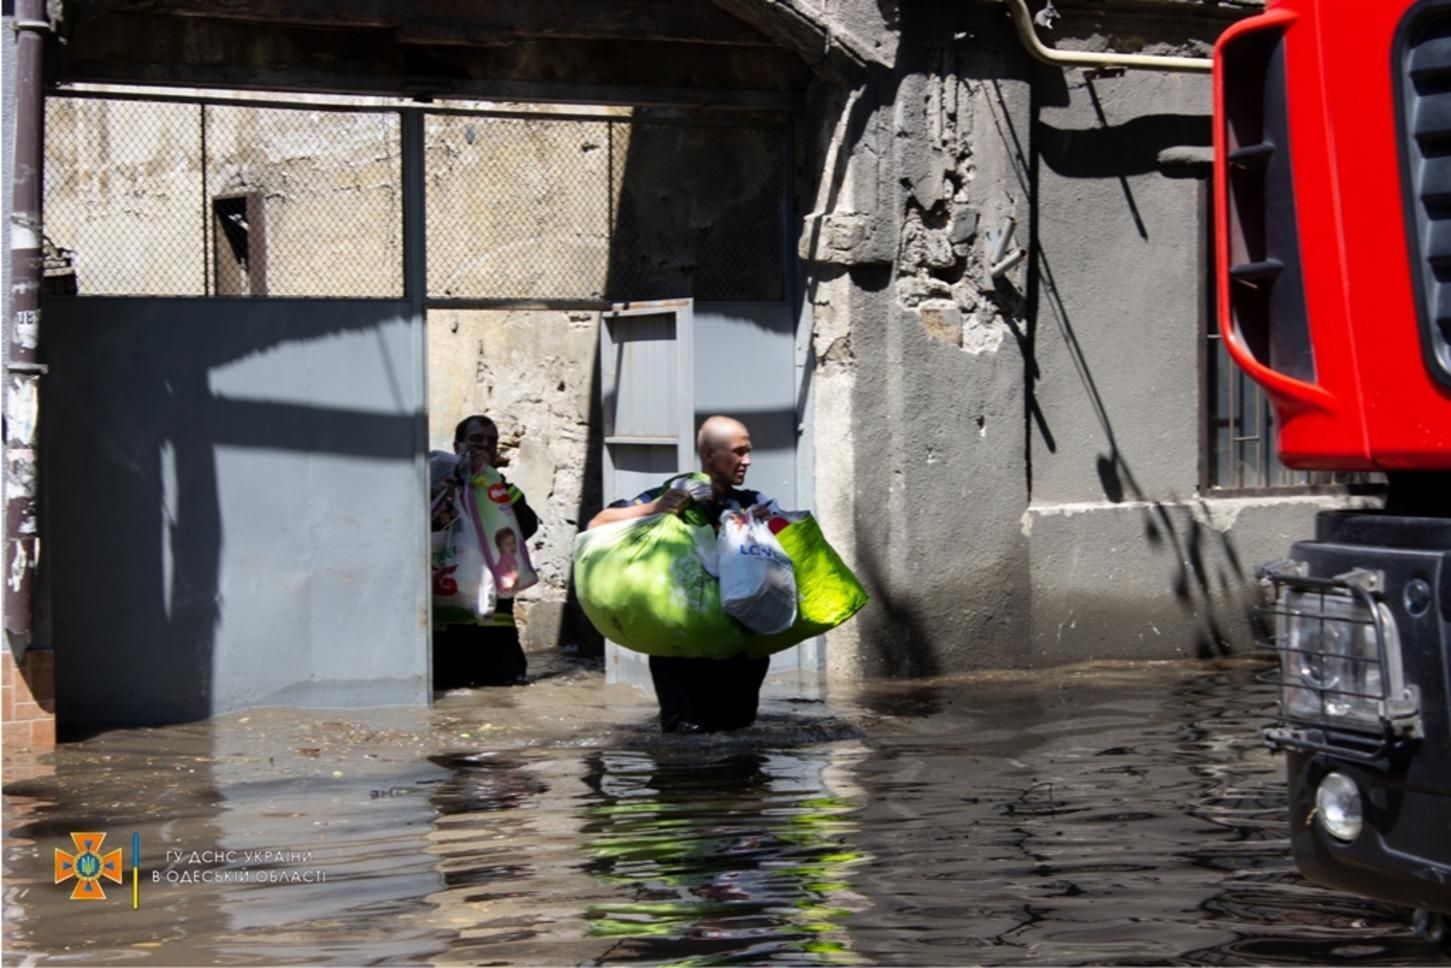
1125 814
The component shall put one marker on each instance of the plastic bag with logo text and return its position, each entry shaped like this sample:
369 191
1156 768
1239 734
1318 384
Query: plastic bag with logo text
489 503
463 585
757 580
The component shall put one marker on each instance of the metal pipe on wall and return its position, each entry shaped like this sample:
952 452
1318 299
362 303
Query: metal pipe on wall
1072 58
24 369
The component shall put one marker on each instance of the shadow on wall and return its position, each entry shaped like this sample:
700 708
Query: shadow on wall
575 627
132 513
1193 584
1119 151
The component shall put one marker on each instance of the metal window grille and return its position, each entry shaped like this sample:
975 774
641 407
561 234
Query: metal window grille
548 208
168 198
182 196
1239 447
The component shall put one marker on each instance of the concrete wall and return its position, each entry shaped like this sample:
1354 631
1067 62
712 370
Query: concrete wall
1014 460
919 353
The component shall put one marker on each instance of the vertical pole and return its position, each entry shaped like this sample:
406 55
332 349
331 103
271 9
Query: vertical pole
207 255
22 391
412 174
415 226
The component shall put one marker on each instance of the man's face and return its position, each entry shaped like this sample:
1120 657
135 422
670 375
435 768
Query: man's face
482 439
728 462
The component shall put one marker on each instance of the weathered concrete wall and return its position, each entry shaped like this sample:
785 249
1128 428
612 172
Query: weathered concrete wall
918 365
1129 558
1014 459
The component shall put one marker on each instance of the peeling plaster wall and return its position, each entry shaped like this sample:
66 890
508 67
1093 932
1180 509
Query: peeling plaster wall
918 364
1013 466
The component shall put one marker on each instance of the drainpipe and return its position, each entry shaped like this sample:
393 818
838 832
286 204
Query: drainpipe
23 369
1072 58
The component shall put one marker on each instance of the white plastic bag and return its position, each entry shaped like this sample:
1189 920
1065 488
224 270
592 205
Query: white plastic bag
757 580
463 586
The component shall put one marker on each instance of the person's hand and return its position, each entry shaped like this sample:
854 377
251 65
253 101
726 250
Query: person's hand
480 457
672 501
760 512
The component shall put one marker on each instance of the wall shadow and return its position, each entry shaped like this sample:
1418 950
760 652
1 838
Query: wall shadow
132 511
1192 581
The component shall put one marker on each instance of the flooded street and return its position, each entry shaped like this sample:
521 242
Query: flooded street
1119 814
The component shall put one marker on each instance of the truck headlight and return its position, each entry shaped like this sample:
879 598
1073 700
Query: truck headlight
1337 807
1331 667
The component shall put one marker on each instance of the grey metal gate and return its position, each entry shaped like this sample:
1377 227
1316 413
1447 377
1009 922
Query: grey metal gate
261 429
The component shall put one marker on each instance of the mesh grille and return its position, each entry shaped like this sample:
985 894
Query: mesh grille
169 198
1426 102
538 208
173 199
517 208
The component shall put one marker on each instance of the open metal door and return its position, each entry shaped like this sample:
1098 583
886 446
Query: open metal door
647 402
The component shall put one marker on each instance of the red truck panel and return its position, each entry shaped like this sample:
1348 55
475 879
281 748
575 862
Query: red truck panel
1321 272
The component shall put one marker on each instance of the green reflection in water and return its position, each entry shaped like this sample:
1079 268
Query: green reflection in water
732 859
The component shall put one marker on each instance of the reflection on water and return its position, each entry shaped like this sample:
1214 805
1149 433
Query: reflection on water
742 856
1120 814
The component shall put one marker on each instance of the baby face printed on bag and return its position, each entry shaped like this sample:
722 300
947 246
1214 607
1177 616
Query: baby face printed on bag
491 509
506 560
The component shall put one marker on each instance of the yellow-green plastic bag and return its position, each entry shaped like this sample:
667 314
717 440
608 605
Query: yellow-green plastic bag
827 593
644 585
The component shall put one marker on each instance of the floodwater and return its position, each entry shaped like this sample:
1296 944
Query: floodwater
1122 814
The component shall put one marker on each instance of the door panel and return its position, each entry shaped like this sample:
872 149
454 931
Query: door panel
234 506
665 367
646 382
646 388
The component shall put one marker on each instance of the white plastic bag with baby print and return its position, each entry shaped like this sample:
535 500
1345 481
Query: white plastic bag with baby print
757 580
489 505
463 585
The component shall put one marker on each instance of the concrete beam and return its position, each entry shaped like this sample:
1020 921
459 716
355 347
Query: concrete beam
483 21
187 51
815 38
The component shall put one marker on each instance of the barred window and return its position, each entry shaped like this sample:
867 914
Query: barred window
178 198
1239 449
166 195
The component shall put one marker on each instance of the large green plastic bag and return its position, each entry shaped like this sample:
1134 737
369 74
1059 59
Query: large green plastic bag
827 593
643 584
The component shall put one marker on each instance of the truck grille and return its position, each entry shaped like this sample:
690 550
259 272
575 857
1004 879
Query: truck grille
1423 63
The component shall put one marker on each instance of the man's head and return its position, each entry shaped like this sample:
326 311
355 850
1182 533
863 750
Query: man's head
724 445
479 435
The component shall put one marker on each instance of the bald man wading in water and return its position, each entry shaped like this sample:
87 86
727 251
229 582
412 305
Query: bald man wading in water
705 695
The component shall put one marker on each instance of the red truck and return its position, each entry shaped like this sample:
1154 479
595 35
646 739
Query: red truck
1333 218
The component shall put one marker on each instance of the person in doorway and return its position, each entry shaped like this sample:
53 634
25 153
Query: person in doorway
491 654
699 695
